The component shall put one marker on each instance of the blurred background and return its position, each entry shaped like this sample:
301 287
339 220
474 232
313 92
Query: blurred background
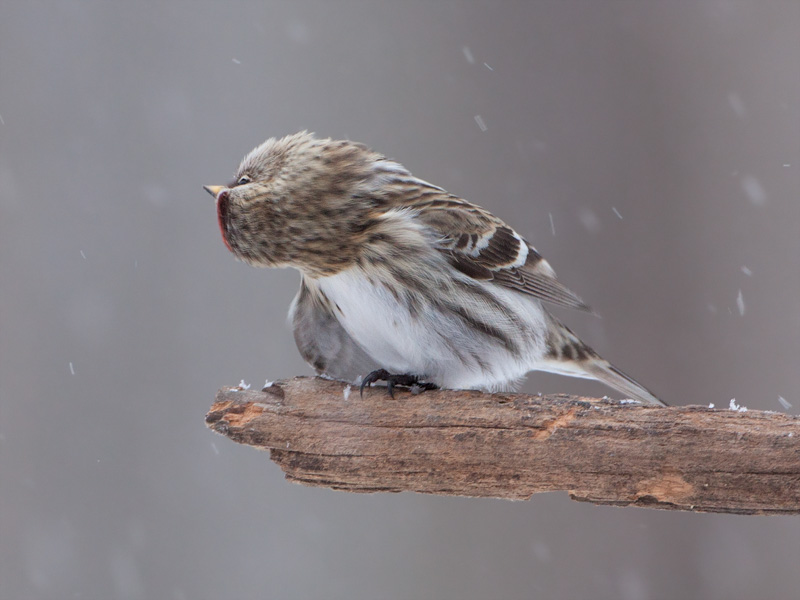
650 150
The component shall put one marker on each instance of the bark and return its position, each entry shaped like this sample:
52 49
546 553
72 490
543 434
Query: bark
468 443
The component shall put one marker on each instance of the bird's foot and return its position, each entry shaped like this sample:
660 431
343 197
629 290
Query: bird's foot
392 380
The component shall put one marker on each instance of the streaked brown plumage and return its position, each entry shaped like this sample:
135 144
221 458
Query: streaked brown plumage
398 274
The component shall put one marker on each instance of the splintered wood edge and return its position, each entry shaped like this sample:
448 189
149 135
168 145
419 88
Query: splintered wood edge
468 443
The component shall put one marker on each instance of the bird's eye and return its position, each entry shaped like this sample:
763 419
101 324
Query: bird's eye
243 181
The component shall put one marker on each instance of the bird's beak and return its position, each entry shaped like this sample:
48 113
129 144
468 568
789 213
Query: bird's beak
214 190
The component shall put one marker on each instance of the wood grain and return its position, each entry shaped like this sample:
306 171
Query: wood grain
468 443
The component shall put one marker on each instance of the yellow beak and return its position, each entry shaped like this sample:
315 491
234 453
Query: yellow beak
214 189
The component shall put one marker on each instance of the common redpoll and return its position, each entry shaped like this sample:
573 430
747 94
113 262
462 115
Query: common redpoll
400 280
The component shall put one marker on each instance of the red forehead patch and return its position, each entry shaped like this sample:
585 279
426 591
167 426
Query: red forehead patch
222 216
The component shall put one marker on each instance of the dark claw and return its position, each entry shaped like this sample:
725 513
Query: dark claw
377 375
393 380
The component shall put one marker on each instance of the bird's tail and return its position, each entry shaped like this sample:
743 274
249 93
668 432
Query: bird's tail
604 371
570 356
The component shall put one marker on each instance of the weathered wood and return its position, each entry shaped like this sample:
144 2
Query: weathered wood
468 443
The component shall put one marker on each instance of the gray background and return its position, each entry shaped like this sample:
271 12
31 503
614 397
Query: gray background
682 116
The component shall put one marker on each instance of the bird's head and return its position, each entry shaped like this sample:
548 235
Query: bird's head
298 202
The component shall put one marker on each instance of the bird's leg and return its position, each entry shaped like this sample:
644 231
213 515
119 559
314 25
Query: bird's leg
392 380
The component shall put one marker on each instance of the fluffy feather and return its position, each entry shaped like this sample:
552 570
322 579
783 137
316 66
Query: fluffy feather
398 274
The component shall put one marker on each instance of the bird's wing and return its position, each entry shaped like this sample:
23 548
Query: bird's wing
483 247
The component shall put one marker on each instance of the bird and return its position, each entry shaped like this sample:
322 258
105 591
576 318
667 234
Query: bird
401 281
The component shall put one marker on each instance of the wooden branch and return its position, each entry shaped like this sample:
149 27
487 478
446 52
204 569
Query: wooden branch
467 443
